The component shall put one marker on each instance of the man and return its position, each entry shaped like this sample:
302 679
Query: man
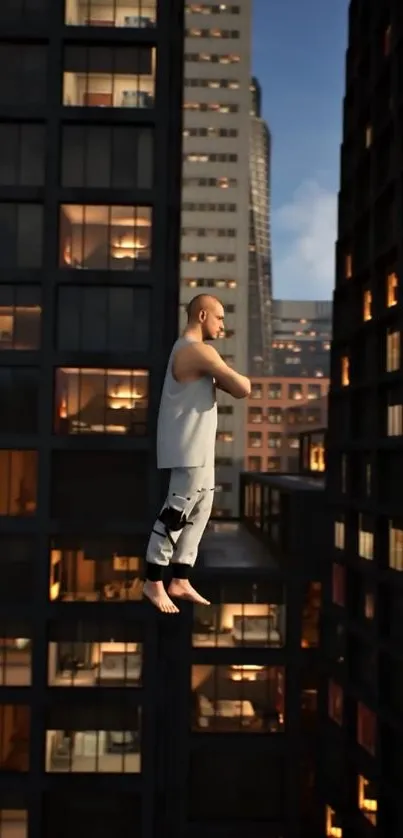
187 426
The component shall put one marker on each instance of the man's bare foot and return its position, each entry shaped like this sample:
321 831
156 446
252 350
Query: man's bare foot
182 589
156 593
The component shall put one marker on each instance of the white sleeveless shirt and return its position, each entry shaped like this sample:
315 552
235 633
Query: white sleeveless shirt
187 420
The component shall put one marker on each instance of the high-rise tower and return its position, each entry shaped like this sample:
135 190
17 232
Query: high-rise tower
260 270
215 199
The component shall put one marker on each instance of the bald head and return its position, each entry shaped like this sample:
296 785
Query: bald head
202 302
205 316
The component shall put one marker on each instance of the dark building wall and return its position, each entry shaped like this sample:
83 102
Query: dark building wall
90 151
362 647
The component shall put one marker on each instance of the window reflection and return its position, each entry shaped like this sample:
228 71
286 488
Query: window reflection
108 238
14 737
241 624
94 664
98 570
18 482
93 751
20 317
13 823
137 14
111 77
246 698
101 401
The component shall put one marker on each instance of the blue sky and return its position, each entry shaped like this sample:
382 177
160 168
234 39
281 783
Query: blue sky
298 52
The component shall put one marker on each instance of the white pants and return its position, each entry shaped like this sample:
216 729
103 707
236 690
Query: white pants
191 492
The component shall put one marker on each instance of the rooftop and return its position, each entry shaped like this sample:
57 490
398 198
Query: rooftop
227 545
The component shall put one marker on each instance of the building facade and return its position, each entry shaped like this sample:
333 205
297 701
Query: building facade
90 169
260 270
301 338
362 724
279 410
215 195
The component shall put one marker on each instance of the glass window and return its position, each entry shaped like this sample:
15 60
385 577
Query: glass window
314 391
22 154
339 535
118 157
17 9
21 235
243 624
274 464
20 317
295 391
87 740
310 615
335 702
365 539
368 799
254 439
256 390
366 728
255 415
13 822
395 546
132 14
334 827
274 440
18 400
392 289
92 484
18 482
89 401
15 655
91 569
392 350
15 737
113 77
254 464
23 74
87 812
107 238
83 655
101 319
17 558
242 698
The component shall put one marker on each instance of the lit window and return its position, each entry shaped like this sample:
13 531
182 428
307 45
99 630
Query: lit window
366 728
128 13
339 535
345 371
18 482
387 41
333 828
368 136
107 238
335 702
367 801
392 350
392 283
367 307
365 541
225 436
339 585
124 76
395 420
369 606
106 401
395 547
348 266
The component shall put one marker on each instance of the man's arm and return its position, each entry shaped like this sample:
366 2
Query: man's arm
207 361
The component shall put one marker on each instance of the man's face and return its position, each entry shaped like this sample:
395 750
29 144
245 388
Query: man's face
213 325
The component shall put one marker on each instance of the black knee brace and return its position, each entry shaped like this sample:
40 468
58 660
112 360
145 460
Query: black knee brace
173 520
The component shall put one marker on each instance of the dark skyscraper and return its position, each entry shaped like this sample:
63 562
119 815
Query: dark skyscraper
90 170
362 726
260 275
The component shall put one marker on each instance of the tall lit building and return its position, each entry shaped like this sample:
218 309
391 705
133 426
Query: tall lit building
301 338
90 169
362 701
260 272
215 199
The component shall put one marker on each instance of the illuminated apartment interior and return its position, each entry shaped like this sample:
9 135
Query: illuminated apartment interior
101 401
133 14
121 78
105 238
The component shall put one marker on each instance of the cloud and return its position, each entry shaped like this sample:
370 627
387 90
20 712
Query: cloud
304 235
